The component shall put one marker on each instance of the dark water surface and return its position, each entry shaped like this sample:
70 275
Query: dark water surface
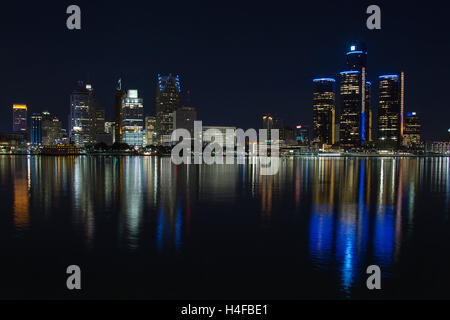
140 227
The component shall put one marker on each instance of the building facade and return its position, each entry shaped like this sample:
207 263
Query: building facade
119 96
184 118
355 94
20 112
412 131
389 111
168 92
302 135
36 129
221 137
82 113
133 119
150 131
324 110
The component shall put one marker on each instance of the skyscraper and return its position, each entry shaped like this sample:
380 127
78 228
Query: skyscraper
20 118
355 125
168 92
350 124
184 118
51 129
82 113
302 135
150 133
324 111
99 121
389 111
133 119
270 123
36 129
119 96
412 131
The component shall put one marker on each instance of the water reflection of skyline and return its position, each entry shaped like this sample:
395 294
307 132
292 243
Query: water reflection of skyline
361 211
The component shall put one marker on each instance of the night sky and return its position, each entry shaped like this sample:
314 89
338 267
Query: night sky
239 59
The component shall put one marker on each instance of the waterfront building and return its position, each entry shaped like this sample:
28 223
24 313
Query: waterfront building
119 96
51 129
12 139
412 130
439 147
20 118
36 129
168 92
150 131
110 128
355 119
324 110
221 135
389 111
302 135
61 150
184 118
133 119
99 121
82 113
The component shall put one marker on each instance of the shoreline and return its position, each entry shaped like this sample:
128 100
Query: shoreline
317 155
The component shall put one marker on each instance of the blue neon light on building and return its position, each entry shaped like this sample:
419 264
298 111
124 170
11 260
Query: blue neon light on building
349 72
324 79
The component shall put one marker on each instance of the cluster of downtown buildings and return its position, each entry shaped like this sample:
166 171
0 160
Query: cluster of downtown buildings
87 126
129 128
354 130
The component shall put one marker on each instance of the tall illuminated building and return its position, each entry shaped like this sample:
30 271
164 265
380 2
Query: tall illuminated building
355 120
389 111
99 121
302 135
412 130
184 118
150 133
369 113
350 100
324 110
269 124
133 119
82 115
168 92
119 96
51 129
20 118
36 129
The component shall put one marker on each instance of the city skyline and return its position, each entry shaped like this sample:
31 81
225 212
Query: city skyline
354 127
254 70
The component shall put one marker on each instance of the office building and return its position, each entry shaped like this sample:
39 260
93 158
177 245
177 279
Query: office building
119 96
355 119
82 113
20 118
184 118
302 134
133 119
168 92
150 131
99 121
36 129
324 110
51 129
389 111
412 130
221 137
